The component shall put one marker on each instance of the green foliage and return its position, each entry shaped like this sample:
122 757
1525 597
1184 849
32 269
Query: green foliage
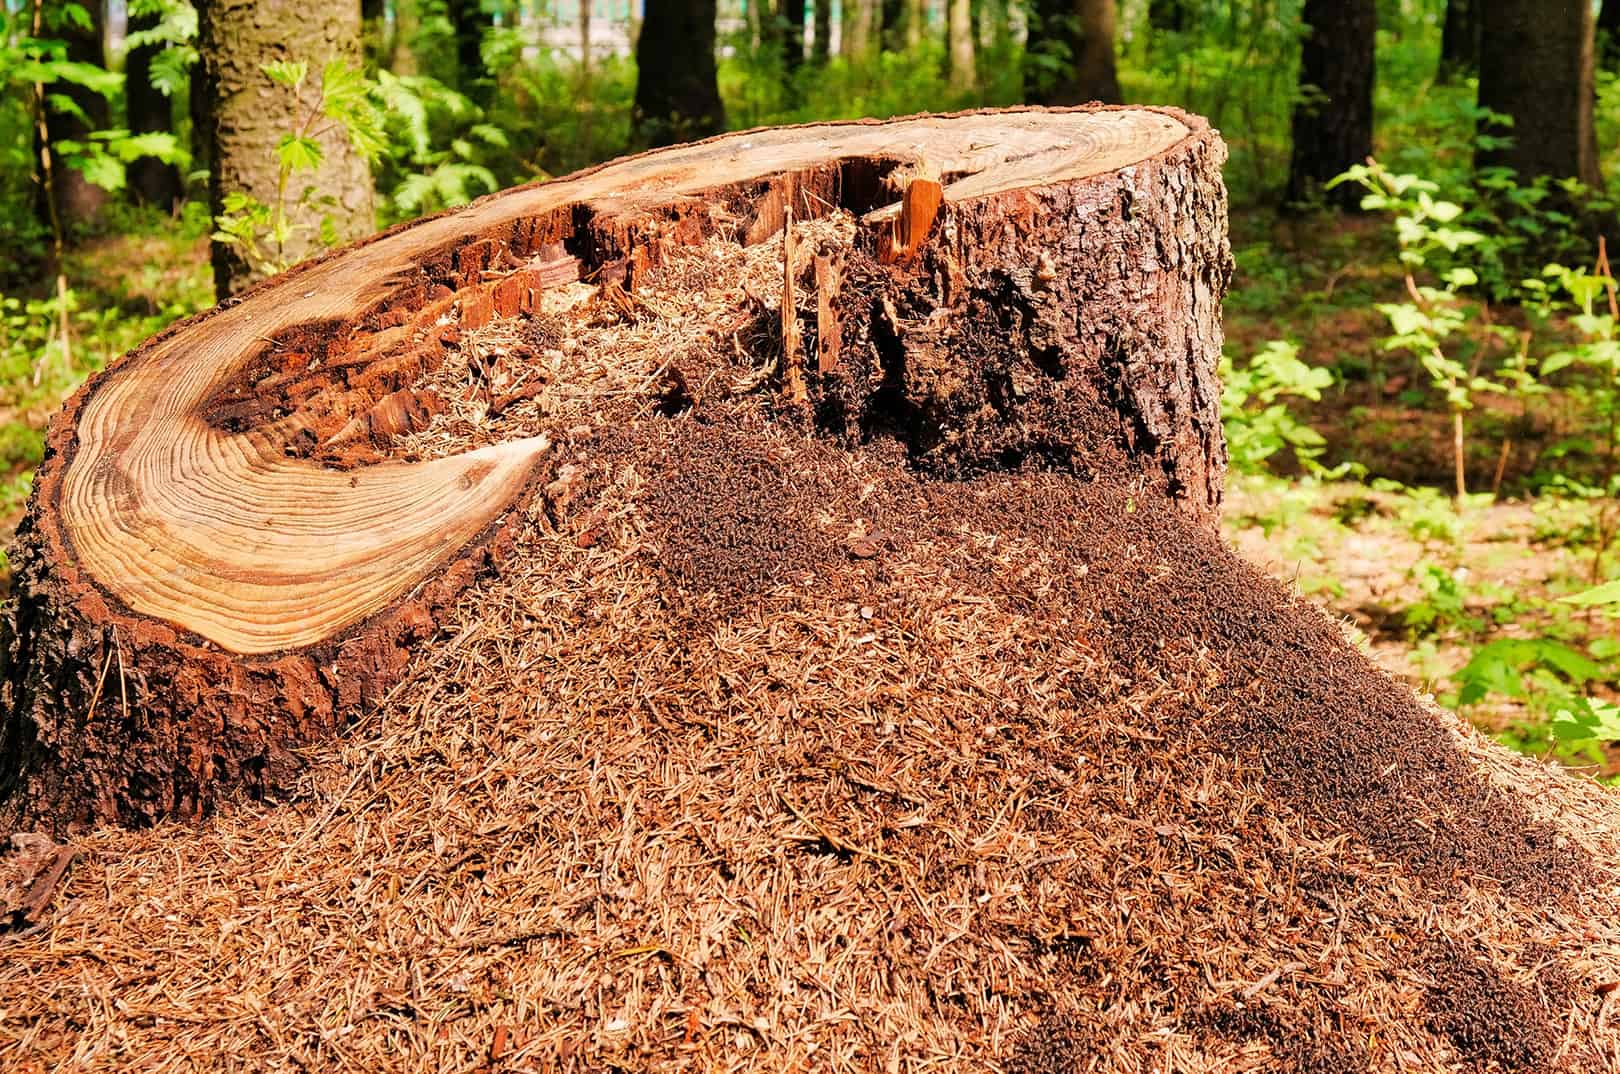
1257 421
436 142
28 63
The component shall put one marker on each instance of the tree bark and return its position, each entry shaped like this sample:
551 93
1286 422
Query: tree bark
1096 77
1536 66
151 181
1332 122
959 41
821 46
677 88
1459 40
78 201
248 115
225 559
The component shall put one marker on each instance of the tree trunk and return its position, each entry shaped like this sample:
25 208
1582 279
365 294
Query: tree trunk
677 89
151 181
821 47
1459 40
1096 78
585 40
1071 53
1536 66
1167 15
1608 34
959 40
248 115
468 23
78 201
792 35
1333 120
403 59
220 513
855 30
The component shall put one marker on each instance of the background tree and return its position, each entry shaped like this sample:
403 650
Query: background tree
856 25
72 110
1459 39
678 89
1168 15
150 111
790 19
1608 34
821 47
1096 74
959 43
1535 65
468 23
1070 55
248 115
1333 120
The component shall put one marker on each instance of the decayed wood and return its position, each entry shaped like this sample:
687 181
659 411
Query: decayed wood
219 521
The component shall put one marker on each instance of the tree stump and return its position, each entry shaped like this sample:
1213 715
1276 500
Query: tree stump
223 560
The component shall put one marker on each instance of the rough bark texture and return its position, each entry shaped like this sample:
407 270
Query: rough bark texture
150 111
677 87
78 201
1068 322
1536 65
248 115
1459 39
1334 118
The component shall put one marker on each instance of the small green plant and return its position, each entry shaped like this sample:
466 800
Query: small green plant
264 233
1423 325
1258 422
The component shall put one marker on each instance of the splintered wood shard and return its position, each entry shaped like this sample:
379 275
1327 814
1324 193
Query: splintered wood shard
229 500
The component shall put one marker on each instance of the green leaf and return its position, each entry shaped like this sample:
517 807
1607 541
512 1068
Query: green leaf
290 73
1608 593
299 153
